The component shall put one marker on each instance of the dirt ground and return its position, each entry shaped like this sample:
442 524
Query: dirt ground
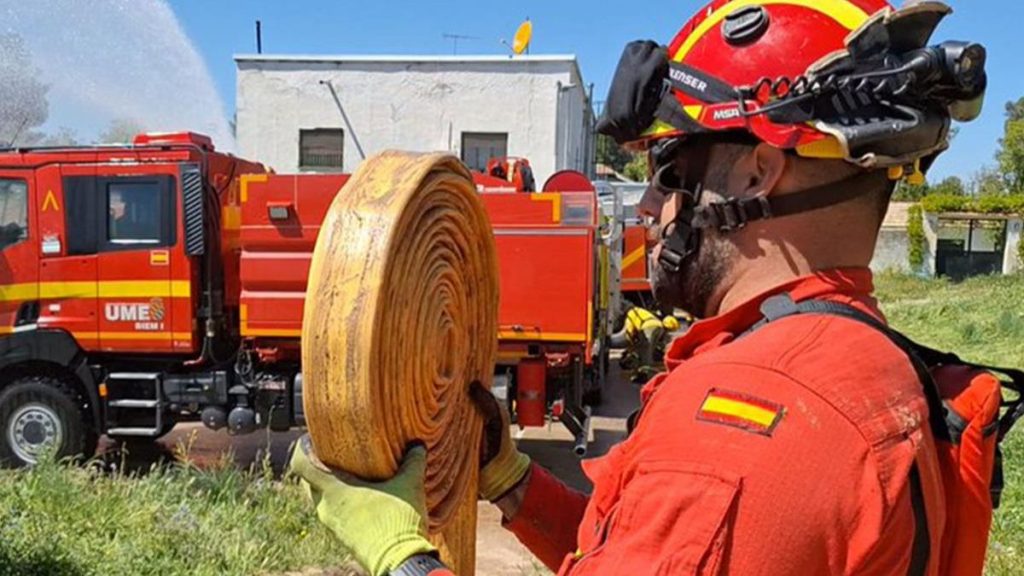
498 552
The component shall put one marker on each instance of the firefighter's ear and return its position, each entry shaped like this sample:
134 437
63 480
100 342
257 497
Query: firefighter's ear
760 170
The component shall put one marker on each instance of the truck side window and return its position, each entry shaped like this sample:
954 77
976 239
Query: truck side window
134 214
13 211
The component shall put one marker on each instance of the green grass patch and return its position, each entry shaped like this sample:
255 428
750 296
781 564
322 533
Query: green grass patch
175 519
982 320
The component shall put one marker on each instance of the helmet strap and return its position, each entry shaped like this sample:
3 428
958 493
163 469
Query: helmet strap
681 238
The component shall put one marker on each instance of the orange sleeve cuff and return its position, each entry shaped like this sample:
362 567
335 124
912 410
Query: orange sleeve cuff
548 517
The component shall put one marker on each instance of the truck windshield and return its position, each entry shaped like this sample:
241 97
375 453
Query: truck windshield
13 211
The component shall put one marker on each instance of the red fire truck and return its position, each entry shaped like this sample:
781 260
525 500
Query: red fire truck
163 282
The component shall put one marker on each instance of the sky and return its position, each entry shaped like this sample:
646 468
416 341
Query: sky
594 31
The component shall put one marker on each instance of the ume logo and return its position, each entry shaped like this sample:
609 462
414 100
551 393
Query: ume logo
127 312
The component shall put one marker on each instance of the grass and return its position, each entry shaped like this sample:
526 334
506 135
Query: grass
175 519
178 519
982 320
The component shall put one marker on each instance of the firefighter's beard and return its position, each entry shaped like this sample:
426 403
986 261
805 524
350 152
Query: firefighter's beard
692 288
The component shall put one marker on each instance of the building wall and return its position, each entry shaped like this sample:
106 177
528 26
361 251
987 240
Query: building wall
420 105
892 253
1014 232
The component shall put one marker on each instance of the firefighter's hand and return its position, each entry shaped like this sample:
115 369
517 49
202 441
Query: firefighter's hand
381 524
502 466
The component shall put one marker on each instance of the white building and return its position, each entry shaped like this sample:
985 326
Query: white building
324 113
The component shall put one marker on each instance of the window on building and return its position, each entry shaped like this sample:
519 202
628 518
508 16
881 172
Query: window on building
479 147
13 211
134 213
322 149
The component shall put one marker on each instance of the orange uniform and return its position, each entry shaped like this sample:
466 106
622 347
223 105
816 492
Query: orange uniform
786 451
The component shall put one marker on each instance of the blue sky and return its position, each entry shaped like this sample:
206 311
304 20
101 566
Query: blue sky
594 31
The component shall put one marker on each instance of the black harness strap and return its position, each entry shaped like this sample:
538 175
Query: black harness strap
921 548
782 306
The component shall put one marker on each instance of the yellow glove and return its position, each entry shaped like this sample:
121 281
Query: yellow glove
502 466
382 524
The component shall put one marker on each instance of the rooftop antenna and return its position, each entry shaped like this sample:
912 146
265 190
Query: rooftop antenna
455 40
259 37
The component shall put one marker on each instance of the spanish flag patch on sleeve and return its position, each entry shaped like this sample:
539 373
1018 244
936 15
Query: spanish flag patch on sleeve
741 411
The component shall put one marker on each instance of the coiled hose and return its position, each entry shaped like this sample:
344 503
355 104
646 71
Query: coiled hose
400 318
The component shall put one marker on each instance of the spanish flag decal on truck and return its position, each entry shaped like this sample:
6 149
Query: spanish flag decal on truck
741 411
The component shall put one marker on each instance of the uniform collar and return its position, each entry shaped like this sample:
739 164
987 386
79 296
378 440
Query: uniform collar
853 285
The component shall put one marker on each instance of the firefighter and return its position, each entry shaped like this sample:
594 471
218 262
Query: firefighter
777 132
122 224
644 337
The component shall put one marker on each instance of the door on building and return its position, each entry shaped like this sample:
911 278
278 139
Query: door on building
479 147
970 247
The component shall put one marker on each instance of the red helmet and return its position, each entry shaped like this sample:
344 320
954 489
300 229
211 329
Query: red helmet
851 79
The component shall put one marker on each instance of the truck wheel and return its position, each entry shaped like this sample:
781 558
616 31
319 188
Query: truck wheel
39 414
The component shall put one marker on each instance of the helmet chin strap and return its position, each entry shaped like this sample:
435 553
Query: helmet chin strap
680 240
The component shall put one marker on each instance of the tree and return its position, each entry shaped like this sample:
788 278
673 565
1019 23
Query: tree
637 170
64 136
23 105
910 192
121 131
1011 148
611 154
951 186
988 182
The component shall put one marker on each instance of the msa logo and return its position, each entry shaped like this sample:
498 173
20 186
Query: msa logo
688 80
726 114
146 316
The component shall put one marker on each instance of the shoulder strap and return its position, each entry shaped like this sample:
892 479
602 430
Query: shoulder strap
922 358
781 306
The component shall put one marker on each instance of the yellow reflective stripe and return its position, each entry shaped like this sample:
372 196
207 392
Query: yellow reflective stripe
145 335
244 181
742 410
271 332
11 292
105 335
693 111
109 289
846 13
53 290
659 128
556 203
542 336
634 257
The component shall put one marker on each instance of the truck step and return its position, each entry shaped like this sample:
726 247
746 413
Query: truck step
147 432
133 376
134 404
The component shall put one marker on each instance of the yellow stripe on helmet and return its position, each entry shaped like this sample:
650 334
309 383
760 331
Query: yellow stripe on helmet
846 13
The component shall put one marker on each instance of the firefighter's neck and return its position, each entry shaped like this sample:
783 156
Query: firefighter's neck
773 252
777 259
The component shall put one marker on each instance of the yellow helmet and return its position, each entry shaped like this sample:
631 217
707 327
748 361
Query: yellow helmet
671 323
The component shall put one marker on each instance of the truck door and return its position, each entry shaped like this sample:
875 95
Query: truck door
67 255
138 232
19 263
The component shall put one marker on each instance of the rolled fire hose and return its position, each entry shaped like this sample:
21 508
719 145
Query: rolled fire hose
400 317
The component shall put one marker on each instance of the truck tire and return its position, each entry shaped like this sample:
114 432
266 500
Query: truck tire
37 413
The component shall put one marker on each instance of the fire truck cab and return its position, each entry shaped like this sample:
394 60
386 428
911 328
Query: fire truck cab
115 284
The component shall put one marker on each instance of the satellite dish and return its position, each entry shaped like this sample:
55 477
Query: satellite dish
521 41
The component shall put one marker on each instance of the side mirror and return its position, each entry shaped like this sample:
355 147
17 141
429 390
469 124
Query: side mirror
10 234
